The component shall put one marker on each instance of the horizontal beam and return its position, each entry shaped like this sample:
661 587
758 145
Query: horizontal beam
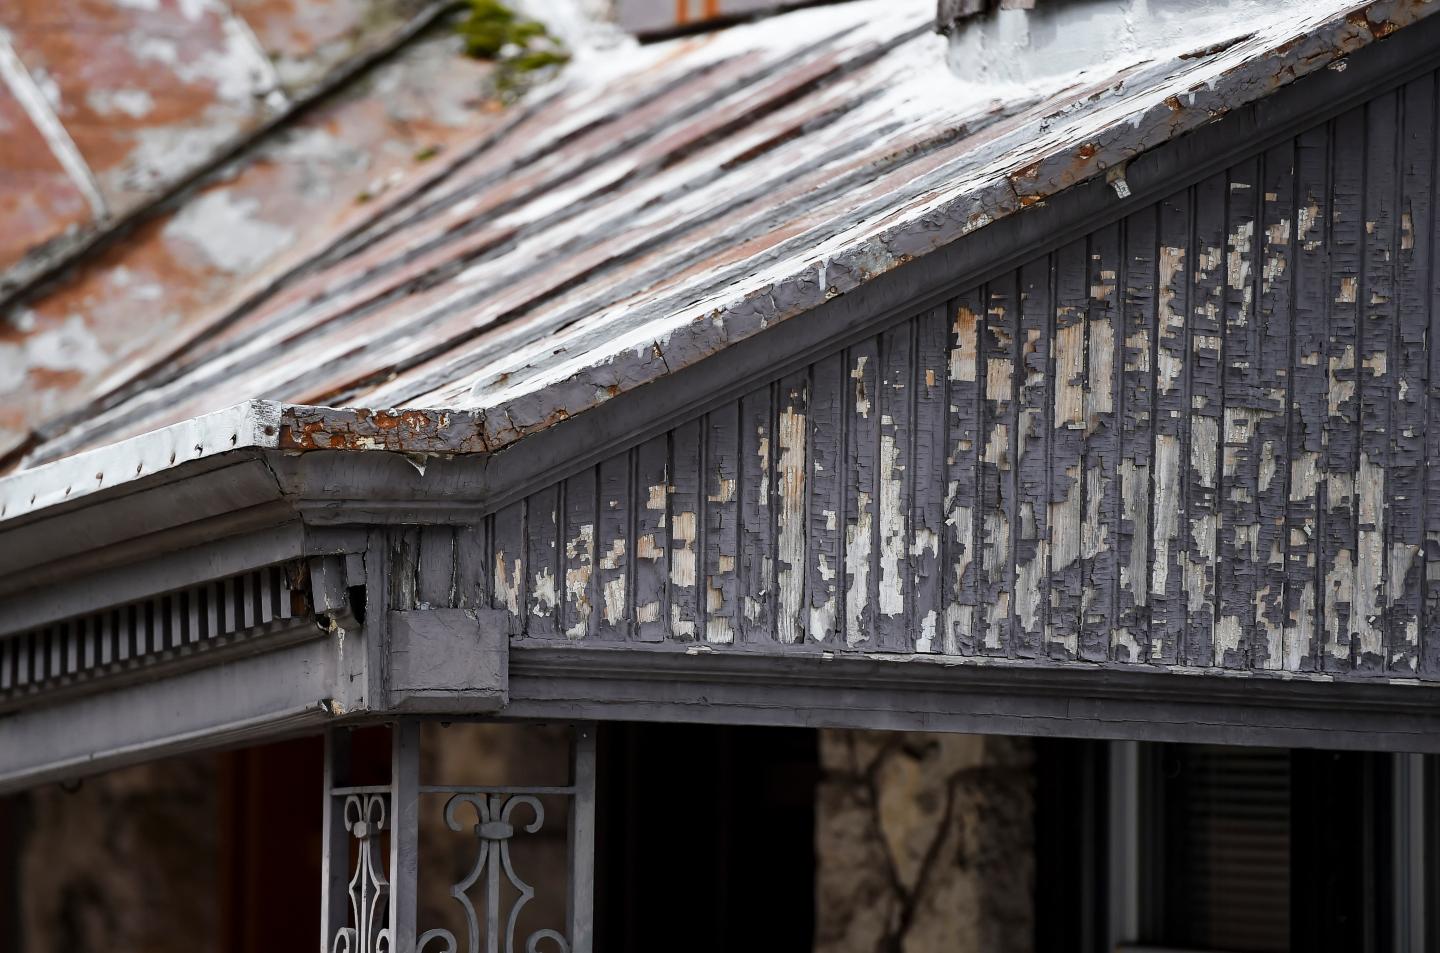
933 693
235 702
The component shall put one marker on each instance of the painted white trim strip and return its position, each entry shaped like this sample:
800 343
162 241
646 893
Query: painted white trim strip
255 423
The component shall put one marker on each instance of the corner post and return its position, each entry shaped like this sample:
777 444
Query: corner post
404 833
335 841
582 840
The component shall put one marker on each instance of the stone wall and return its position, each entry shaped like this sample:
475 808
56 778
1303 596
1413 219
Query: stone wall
125 863
924 844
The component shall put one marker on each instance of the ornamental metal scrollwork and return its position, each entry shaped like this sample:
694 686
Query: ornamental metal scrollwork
369 889
494 830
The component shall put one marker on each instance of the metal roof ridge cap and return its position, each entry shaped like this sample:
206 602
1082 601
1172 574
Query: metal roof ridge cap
440 431
251 424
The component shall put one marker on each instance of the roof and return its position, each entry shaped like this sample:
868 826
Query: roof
108 106
639 216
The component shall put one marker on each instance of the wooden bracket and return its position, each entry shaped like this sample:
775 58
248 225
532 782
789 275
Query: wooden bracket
449 660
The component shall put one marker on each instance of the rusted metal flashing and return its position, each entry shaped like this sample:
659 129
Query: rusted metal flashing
400 431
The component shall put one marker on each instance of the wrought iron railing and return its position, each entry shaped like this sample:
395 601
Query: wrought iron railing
373 859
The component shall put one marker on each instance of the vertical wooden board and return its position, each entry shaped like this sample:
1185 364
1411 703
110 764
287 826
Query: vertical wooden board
928 475
827 421
686 442
1136 412
1340 457
577 537
543 562
1271 647
651 501
791 506
1001 332
960 549
1032 460
1309 401
435 572
1067 453
1409 432
1238 558
792 432
1174 260
613 548
403 566
1202 505
895 404
862 450
508 572
1374 385
1099 565
757 528
722 523
473 565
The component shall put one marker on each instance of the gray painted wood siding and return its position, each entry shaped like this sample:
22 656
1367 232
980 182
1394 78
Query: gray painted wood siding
1197 436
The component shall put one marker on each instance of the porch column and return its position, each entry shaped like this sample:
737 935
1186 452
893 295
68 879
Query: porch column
374 858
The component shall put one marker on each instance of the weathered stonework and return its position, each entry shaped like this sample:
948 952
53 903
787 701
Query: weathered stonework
126 862
924 842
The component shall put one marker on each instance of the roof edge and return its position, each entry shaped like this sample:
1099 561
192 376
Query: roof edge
253 425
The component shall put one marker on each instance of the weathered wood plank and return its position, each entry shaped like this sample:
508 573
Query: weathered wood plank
473 564
862 451
1238 552
1032 464
1137 394
543 563
1099 567
686 442
404 561
1341 451
1172 409
509 575
435 570
722 524
614 548
894 483
1067 452
650 498
1203 518
578 615
1408 458
1309 404
757 528
1000 334
962 469
1275 240
826 484
928 478
1376 340
792 433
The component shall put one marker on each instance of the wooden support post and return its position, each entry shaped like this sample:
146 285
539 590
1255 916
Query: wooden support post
404 833
335 841
582 840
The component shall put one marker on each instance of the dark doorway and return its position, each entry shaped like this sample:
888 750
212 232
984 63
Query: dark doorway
270 808
705 839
